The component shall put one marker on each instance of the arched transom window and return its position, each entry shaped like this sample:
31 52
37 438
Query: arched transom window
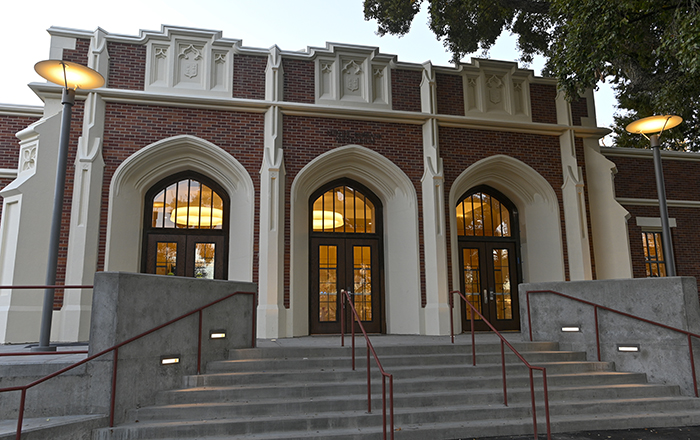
480 215
187 204
343 209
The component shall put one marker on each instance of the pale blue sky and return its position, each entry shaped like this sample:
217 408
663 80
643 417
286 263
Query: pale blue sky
291 25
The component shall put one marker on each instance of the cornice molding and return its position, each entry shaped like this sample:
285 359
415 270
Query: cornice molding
655 202
649 154
21 110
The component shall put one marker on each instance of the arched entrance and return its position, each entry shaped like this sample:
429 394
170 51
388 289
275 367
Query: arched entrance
345 230
489 257
185 227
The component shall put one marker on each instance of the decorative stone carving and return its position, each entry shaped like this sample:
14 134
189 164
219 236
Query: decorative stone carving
361 78
185 63
28 158
495 85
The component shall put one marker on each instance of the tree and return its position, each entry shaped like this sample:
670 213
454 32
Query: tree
648 49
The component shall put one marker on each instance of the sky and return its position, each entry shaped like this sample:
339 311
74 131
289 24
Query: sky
290 24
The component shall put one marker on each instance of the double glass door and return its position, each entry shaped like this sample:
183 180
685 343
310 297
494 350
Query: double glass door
489 281
198 256
344 263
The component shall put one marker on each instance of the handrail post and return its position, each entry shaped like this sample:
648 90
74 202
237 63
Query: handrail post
534 406
342 318
383 404
529 318
471 313
546 403
503 367
692 363
20 416
597 333
391 404
369 383
199 345
114 387
452 325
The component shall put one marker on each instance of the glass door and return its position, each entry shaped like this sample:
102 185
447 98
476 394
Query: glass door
489 282
350 264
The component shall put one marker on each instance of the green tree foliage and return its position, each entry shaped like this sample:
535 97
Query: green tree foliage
648 49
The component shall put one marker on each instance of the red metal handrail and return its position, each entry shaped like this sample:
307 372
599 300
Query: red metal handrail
595 306
115 349
344 294
503 363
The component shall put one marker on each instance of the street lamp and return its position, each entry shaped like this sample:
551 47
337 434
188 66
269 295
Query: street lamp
71 76
655 125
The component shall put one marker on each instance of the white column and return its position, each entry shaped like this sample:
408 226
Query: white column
573 200
72 323
435 319
272 315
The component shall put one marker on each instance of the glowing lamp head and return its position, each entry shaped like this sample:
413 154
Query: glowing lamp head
68 74
197 216
328 218
654 124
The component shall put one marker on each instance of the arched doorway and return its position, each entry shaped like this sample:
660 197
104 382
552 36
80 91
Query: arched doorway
489 257
185 227
345 230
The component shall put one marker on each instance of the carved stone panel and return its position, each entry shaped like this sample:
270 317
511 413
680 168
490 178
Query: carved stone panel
184 64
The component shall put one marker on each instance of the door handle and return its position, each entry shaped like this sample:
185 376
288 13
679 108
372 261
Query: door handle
491 295
486 297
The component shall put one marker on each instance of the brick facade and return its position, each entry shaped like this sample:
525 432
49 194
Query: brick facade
450 94
299 81
405 90
543 99
127 66
249 77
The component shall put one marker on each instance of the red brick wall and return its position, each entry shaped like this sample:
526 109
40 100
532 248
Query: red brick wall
9 144
130 127
77 116
305 138
579 109
80 53
405 90
543 99
249 77
635 178
299 82
127 66
450 94
462 147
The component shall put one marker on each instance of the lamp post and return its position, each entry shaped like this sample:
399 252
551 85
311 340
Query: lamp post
71 76
655 125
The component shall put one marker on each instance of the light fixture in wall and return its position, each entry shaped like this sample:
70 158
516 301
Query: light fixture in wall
327 217
628 348
217 334
195 216
571 329
170 359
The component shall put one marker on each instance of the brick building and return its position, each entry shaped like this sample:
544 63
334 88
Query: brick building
309 172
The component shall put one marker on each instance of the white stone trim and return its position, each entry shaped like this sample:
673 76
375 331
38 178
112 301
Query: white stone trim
538 208
401 250
655 202
163 158
653 223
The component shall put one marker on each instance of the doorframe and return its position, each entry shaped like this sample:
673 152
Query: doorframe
514 239
378 235
148 230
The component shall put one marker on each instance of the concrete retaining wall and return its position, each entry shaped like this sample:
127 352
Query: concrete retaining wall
663 354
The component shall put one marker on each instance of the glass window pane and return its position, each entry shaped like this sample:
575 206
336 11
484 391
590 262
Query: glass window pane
496 217
169 205
166 258
158 210
472 280
204 260
502 290
343 209
653 254
188 204
327 290
362 272
486 206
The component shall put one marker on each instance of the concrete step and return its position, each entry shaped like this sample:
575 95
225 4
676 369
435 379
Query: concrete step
305 363
312 392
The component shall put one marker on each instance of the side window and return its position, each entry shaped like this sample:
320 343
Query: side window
654 260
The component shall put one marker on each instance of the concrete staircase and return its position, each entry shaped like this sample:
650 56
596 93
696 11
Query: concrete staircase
305 388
